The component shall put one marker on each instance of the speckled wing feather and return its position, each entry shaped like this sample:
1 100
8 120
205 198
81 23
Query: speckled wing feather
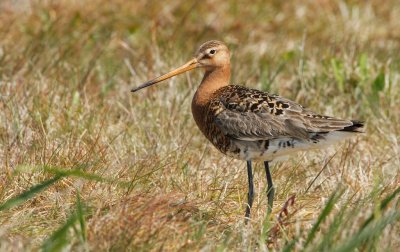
249 114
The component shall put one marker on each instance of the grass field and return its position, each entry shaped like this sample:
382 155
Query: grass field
87 165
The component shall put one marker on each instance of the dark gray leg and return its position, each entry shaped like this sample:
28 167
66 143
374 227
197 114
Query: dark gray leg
250 195
271 189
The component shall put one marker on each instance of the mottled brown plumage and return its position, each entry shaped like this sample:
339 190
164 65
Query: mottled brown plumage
236 115
249 124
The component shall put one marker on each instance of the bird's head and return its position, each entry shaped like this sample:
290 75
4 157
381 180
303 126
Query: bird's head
210 55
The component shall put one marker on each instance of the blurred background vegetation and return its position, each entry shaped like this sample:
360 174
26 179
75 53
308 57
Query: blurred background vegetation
87 165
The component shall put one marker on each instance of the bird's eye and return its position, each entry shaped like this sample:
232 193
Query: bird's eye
212 51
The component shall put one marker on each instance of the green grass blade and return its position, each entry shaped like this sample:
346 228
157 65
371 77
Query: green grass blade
325 212
78 173
339 73
290 245
334 228
59 238
379 83
80 212
75 173
59 173
266 226
15 201
385 202
371 231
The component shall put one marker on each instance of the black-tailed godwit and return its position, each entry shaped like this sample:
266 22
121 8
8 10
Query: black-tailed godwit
249 124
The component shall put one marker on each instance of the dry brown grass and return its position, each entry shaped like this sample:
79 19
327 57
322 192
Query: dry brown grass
66 68
141 222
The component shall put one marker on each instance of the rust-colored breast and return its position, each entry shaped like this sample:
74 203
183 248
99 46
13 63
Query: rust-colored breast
204 114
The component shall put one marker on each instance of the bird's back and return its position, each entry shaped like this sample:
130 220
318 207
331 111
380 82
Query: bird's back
250 124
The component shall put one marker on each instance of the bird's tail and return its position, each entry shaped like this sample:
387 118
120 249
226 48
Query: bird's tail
357 126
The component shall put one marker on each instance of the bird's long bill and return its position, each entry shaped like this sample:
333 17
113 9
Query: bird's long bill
186 67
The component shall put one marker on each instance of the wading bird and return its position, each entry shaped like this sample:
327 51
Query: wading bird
249 124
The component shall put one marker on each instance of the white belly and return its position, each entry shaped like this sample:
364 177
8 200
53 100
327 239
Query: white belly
269 150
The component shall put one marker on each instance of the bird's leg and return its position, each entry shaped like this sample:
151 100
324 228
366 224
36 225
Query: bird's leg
271 189
250 195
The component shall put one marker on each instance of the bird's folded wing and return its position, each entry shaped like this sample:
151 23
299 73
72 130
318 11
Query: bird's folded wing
245 121
257 126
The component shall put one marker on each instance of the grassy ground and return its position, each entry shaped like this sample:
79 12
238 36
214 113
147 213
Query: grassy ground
86 165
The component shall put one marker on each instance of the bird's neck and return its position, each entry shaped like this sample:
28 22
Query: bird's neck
213 80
